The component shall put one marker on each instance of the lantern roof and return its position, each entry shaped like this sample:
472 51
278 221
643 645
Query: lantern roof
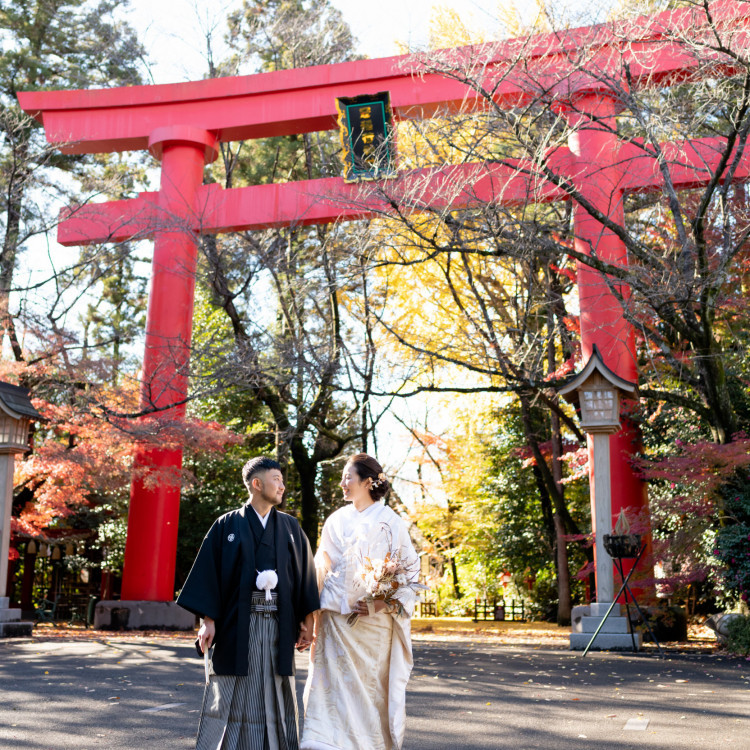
595 365
16 402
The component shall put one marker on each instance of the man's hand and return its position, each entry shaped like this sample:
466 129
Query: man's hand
305 632
206 634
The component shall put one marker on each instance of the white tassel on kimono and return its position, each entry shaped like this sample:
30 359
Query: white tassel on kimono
266 581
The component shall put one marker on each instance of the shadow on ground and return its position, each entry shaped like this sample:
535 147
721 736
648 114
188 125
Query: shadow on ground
145 692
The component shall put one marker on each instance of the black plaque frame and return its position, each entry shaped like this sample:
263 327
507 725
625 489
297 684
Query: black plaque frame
368 137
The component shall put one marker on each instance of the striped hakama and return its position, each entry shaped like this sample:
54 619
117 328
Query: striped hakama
256 712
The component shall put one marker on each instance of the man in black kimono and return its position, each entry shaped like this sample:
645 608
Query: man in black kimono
250 702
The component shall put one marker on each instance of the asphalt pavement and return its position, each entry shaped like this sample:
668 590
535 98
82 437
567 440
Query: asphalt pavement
136 693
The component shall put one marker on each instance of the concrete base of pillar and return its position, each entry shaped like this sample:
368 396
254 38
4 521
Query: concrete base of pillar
599 609
16 629
9 615
614 636
605 642
11 625
587 610
142 615
612 625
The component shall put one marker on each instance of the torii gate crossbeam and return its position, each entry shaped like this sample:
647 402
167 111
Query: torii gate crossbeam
181 124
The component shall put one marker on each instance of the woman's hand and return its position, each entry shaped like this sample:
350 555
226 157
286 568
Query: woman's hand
316 630
378 605
316 624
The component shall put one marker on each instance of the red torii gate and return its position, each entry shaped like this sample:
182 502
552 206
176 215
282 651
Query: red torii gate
181 124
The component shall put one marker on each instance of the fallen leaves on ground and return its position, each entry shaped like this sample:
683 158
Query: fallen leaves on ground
425 629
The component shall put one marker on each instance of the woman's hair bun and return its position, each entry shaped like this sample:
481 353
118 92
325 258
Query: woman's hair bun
366 467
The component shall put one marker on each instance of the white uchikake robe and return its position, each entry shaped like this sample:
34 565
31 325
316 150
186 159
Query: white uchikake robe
355 695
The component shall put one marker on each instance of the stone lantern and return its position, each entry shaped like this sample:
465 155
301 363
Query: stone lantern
16 413
597 390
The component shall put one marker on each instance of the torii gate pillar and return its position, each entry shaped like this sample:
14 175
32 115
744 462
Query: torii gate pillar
595 146
151 546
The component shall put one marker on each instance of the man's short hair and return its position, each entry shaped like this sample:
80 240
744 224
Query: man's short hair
255 466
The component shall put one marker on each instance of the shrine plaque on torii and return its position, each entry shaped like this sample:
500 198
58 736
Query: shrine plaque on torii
181 125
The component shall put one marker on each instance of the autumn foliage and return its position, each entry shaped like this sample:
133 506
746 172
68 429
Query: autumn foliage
83 455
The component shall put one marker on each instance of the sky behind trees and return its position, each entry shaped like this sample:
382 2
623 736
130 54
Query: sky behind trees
172 30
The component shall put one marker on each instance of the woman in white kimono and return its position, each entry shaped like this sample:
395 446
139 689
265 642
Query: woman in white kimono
355 693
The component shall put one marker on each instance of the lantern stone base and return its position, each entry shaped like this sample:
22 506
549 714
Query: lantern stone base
142 615
11 625
614 636
605 642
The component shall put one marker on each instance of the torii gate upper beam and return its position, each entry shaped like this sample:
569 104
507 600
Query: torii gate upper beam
303 100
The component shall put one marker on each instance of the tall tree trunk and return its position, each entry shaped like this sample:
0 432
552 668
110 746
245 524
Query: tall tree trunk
368 371
307 472
723 416
563 571
545 502
13 210
545 479
554 308
454 572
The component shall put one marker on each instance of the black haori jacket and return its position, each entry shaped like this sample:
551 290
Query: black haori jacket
222 579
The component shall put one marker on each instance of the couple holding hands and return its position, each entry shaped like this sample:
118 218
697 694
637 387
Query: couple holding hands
261 595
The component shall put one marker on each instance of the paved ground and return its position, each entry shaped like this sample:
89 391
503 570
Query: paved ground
138 693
